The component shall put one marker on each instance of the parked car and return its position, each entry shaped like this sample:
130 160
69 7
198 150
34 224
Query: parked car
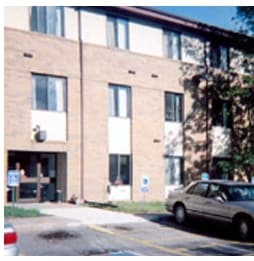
219 200
10 240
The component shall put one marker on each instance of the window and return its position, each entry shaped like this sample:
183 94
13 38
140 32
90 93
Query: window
117 32
174 171
214 191
119 101
219 56
49 93
173 107
221 113
172 45
119 169
199 189
48 19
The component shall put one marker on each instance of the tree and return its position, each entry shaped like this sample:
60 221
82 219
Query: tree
242 97
245 19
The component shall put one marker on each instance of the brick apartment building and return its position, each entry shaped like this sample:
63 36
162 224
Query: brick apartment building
96 98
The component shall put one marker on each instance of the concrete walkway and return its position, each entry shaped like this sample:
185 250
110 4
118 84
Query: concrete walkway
84 215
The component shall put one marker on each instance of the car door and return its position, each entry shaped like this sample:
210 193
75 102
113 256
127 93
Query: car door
194 198
215 206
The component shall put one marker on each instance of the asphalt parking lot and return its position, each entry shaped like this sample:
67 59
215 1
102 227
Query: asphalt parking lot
158 235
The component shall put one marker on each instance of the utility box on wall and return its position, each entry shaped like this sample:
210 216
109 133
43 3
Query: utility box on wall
41 136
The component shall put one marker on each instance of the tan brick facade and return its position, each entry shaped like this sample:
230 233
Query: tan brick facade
84 156
51 56
55 56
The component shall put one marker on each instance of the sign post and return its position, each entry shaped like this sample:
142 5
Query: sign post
144 186
13 181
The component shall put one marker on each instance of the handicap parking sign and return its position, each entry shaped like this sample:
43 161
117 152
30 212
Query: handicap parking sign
204 176
145 184
13 178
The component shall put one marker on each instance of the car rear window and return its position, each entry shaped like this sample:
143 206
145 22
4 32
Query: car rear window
240 193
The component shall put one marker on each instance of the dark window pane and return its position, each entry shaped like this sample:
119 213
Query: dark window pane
52 106
49 93
174 171
48 20
221 113
224 58
51 19
172 42
119 101
41 19
200 189
119 171
34 18
111 32
113 168
41 93
125 169
215 56
173 107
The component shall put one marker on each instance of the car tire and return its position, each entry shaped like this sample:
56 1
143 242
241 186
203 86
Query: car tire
180 214
244 228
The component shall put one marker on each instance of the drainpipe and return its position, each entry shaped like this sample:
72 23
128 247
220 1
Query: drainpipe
81 105
207 97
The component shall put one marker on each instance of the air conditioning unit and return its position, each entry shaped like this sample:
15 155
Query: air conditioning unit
41 136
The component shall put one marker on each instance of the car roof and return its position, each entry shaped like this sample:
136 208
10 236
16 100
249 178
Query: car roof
226 182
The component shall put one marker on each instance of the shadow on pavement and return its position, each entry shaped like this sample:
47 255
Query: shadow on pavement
196 226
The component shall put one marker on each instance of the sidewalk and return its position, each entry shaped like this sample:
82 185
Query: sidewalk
84 215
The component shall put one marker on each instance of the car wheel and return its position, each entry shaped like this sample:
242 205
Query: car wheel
180 214
244 228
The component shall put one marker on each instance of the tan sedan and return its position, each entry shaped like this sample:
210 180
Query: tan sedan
219 200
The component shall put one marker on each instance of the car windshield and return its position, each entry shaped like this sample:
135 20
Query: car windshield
240 193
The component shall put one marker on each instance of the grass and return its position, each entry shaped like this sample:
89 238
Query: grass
20 212
132 207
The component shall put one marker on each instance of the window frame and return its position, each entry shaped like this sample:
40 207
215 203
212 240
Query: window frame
115 20
167 37
42 26
174 113
47 106
119 178
116 99
222 113
168 178
216 53
192 189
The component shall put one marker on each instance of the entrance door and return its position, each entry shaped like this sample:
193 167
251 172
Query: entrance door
38 175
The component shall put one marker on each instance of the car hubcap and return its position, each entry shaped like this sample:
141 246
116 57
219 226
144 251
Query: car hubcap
243 229
180 215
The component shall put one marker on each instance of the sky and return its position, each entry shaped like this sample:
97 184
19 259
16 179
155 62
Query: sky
220 16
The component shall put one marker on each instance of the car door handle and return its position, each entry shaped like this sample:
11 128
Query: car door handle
208 202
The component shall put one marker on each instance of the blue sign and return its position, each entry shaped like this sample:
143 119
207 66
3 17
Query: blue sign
13 178
145 184
204 176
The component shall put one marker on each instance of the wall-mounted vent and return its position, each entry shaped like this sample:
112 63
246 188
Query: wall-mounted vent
131 72
28 55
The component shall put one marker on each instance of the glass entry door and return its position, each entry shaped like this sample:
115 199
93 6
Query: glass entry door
38 175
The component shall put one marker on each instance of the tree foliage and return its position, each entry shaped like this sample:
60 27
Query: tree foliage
245 19
242 96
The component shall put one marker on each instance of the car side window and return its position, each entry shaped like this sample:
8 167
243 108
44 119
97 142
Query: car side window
200 189
214 190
